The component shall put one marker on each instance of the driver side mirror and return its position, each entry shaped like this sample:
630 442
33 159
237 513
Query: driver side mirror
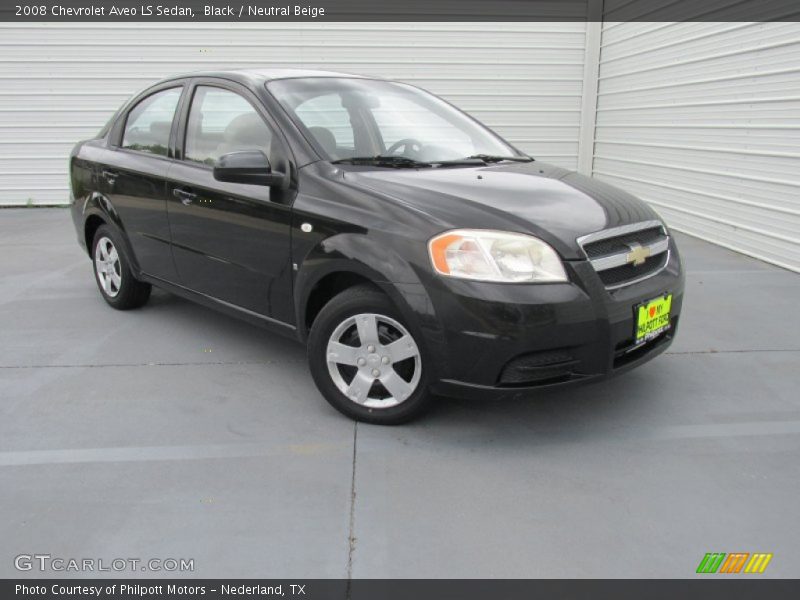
248 166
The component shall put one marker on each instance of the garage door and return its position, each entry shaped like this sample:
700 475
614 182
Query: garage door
703 121
59 83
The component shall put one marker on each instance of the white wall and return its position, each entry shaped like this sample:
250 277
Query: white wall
702 120
60 83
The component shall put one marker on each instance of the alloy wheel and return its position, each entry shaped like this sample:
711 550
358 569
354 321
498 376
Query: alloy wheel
373 360
107 267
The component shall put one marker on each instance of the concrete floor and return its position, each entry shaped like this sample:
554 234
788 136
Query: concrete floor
174 431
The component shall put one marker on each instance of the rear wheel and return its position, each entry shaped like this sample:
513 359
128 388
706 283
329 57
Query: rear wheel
113 273
366 361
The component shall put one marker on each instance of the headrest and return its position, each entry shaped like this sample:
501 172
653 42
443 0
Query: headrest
248 129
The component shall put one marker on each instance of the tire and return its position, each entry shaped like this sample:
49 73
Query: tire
386 386
113 274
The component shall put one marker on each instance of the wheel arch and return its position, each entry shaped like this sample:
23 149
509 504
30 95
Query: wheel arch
99 211
315 290
326 288
90 226
329 272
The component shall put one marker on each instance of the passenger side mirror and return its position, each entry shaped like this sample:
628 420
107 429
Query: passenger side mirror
248 166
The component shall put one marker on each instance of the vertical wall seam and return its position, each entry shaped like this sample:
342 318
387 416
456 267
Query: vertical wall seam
591 74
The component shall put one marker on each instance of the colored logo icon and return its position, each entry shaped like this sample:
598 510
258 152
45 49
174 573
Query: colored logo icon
735 562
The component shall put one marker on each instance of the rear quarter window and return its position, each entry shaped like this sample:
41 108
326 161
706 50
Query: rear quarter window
149 123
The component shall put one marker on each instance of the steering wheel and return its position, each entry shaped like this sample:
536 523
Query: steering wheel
411 147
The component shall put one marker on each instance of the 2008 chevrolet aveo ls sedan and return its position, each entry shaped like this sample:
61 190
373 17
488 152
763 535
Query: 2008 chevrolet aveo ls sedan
414 250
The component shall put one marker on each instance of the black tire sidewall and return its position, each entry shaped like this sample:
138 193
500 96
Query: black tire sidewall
347 304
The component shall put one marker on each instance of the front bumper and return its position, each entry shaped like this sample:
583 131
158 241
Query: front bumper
497 340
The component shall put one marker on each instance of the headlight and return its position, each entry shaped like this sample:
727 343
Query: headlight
495 256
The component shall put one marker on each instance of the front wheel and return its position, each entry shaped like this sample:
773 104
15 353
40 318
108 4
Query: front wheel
365 360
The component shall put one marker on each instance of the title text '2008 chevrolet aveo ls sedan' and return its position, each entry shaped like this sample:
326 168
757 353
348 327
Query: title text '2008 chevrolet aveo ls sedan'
414 250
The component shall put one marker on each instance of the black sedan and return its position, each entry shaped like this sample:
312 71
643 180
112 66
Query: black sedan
412 249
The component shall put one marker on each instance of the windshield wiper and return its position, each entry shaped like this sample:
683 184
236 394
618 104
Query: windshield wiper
382 161
400 162
496 158
479 159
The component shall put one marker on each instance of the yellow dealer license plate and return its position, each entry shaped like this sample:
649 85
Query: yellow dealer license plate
652 318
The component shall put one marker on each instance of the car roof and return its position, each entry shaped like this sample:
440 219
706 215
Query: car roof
260 76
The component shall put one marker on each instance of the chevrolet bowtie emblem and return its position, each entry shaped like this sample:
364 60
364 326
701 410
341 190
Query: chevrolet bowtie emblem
637 255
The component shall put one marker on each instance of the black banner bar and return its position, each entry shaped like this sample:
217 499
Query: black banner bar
29 11
723 587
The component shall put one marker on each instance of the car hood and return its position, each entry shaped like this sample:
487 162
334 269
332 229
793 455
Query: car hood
555 204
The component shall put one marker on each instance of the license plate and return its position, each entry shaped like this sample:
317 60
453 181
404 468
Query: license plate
652 318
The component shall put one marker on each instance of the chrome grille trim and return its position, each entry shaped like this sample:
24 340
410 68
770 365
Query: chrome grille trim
618 231
620 259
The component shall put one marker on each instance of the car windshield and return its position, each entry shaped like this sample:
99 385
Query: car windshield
367 121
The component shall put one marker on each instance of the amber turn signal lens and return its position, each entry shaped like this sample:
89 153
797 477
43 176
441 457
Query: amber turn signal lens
439 248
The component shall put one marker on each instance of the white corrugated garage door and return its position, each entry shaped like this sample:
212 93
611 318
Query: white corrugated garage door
59 83
703 121
700 119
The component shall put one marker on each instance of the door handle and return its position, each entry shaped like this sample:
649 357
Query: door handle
110 176
184 196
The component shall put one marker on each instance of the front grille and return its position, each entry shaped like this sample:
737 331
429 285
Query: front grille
619 244
538 367
614 253
630 272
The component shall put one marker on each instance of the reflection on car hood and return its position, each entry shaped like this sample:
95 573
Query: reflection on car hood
553 203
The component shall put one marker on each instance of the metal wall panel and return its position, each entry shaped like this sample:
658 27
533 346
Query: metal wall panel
700 119
703 121
59 83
